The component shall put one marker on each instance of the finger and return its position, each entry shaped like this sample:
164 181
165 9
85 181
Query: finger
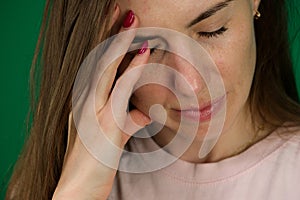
116 108
137 120
71 136
141 57
119 46
115 16
125 84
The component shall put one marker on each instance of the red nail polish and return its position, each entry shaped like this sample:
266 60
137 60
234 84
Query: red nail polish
129 19
144 48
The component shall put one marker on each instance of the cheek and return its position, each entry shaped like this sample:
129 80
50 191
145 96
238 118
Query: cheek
148 95
236 60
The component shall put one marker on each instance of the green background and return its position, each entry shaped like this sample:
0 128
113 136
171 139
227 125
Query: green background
19 22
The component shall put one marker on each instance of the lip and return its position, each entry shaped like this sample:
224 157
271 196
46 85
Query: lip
204 113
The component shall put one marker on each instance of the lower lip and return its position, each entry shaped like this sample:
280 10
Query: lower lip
205 113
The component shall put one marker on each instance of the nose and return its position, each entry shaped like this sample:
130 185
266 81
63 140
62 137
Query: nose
187 80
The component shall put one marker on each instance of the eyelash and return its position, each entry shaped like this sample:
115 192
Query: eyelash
213 34
216 33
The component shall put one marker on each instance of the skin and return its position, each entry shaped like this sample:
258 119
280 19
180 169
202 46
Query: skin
83 177
234 53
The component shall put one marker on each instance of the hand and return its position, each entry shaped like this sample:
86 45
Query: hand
83 177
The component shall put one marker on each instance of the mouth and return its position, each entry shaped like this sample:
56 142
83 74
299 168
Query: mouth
203 112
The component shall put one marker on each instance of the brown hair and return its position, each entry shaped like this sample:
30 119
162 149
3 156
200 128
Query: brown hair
273 96
70 30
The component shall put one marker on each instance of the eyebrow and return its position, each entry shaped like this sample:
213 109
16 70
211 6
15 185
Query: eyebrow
209 12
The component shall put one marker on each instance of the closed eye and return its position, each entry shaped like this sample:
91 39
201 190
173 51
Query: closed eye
213 34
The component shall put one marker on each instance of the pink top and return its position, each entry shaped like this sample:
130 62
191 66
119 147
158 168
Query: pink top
270 169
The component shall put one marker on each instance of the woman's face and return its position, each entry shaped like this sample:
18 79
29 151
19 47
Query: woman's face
226 32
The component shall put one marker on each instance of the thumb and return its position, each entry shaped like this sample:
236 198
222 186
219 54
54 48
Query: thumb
135 121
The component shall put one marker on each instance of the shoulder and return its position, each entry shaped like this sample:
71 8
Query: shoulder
282 144
290 138
289 133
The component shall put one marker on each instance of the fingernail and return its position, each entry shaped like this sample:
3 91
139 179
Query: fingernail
129 19
144 48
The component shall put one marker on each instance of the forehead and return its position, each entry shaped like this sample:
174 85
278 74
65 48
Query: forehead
161 4
165 12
